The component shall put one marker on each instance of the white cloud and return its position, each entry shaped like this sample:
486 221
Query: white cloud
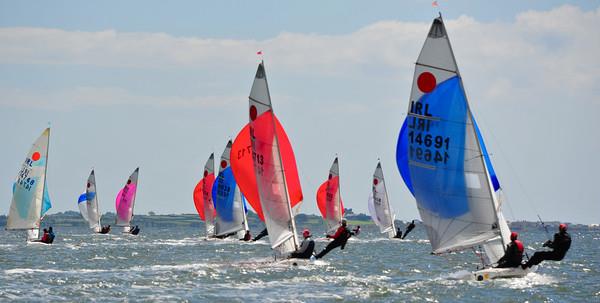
538 51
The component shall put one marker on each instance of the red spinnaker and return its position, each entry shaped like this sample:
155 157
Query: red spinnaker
202 192
326 196
243 166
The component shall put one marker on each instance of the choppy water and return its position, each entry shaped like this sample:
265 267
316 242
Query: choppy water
177 265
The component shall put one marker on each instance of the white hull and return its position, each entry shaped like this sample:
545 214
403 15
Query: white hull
500 273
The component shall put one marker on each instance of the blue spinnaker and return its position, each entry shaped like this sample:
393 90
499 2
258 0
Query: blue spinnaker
223 192
430 154
46 203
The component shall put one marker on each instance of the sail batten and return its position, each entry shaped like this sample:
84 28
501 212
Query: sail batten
441 155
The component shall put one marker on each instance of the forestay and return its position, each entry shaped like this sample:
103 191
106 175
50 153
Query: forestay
379 206
441 156
228 200
329 199
30 200
126 200
203 196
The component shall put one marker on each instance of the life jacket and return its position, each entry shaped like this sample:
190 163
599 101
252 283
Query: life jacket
520 247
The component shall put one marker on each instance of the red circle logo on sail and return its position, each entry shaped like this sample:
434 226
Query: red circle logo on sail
330 176
128 182
205 173
426 82
375 181
88 185
253 112
223 164
36 156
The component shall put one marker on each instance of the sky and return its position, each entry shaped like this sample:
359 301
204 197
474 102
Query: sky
161 85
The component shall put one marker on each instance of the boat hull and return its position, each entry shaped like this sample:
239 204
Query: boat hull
501 273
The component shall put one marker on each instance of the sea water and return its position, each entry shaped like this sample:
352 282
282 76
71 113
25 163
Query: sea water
177 264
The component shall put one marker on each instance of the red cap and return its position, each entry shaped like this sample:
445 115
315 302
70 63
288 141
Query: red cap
562 227
513 236
306 233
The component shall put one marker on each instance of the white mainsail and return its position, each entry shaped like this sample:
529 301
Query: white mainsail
441 156
228 200
379 205
268 168
30 199
209 208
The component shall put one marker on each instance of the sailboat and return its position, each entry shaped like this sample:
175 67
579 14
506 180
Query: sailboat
125 202
444 163
30 200
329 199
229 201
88 204
203 197
264 166
379 205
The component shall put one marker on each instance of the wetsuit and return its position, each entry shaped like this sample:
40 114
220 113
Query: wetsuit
247 237
560 245
306 249
340 238
513 255
408 229
263 233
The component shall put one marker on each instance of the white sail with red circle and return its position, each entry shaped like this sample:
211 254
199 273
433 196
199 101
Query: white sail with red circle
442 158
271 183
30 199
379 205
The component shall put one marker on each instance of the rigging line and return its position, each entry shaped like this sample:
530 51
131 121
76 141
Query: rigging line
528 199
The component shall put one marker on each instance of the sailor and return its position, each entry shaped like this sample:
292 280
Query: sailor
305 251
135 230
514 253
340 238
398 233
356 231
50 236
247 236
409 227
44 238
559 245
105 229
263 233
